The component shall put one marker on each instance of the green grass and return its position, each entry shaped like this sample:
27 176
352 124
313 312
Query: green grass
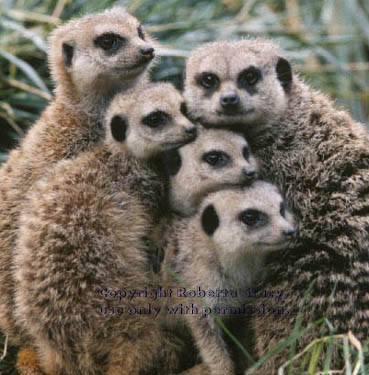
328 41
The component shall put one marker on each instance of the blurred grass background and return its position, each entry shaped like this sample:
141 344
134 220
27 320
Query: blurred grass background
328 41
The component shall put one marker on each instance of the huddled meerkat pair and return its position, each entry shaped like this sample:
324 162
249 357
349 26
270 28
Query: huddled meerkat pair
319 158
91 59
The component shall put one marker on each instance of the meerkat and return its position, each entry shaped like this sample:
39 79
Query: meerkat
88 226
216 159
222 248
91 59
223 88
319 158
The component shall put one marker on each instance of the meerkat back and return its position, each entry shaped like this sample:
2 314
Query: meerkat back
86 227
91 59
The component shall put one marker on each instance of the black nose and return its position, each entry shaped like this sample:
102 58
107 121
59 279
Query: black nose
147 52
191 131
289 233
249 175
229 101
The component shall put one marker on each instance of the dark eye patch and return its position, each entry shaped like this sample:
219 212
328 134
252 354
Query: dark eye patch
282 209
216 158
156 118
184 109
249 77
284 73
172 162
68 53
246 153
253 218
140 32
118 127
110 42
209 220
208 80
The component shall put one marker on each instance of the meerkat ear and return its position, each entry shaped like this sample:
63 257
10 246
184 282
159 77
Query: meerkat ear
118 127
68 53
172 162
184 109
209 220
284 73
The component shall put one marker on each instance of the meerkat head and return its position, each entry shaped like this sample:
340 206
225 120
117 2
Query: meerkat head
216 159
99 52
242 82
148 121
246 221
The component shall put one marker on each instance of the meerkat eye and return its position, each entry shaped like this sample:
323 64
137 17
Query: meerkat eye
253 218
141 34
249 77
216 158
246 153
155 119
282 209
209 80
109 42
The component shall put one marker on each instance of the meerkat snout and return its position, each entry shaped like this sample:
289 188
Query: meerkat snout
148 53
249 175
191 131
289 233
229 101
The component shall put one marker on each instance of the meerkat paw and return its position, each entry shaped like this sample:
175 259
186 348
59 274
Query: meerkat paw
27 363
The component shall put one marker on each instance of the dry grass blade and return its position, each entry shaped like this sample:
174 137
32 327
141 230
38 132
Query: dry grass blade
31 17
33 90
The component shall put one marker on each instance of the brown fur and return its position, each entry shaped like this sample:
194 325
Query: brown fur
319 157
27 363
223 255
87 226
70 124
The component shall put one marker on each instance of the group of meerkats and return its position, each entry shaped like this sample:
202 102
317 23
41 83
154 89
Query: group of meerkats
128 184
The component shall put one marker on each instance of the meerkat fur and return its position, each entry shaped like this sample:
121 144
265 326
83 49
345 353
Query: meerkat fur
214 160
319 158
91 59
88 226
222 247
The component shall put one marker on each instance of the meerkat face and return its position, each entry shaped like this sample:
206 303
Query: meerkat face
148 121
216 159
249 221
243 82
102 49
